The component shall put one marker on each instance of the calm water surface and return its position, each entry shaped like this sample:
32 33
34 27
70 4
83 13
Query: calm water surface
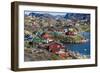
83 48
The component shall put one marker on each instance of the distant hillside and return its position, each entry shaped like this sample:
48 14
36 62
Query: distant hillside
77 16
47 20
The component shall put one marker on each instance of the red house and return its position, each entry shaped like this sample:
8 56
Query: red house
55 47
71 33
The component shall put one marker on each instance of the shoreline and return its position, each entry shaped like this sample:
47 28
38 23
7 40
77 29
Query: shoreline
46 55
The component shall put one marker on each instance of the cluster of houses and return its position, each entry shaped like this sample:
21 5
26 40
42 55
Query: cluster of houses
45 40
53 46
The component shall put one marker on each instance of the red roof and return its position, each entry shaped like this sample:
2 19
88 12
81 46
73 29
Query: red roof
69 33
55 47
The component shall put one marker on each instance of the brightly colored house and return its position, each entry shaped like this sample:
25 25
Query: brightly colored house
55 47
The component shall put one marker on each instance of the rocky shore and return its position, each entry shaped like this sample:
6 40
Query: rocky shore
43 54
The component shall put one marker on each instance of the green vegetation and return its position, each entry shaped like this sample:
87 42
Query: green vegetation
72 39
85 28
54 57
